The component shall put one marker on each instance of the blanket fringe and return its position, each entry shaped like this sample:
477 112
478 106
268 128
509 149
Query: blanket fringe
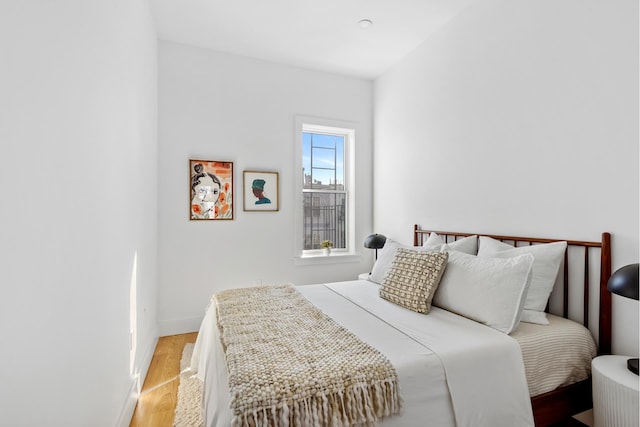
359 405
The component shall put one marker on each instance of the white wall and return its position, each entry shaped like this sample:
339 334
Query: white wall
517 118
78 178
222 107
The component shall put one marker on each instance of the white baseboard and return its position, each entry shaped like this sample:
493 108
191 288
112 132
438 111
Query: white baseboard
165 328
124 420
179 326
129 406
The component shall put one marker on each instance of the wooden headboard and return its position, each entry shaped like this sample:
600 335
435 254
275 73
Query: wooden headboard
604 249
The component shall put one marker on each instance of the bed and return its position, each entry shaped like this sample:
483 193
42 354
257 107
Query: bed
452 369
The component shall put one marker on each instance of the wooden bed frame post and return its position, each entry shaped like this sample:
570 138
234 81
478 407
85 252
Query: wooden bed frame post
604 331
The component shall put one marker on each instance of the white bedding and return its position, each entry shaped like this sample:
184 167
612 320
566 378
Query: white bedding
452 371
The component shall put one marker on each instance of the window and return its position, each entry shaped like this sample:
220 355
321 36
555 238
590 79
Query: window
326 209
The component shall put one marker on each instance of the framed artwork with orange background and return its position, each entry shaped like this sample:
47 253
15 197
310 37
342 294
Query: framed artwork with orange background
210 190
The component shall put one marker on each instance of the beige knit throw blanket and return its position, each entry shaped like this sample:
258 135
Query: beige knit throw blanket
291 365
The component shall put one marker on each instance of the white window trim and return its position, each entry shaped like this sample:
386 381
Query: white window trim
315 124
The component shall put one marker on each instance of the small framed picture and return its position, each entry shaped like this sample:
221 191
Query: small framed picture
261 191
210 190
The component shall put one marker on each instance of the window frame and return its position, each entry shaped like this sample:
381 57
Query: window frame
331 127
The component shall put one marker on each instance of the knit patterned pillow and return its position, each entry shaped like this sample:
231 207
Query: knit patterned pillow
413 278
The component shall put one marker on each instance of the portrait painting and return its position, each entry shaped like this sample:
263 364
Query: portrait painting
260 191
211 190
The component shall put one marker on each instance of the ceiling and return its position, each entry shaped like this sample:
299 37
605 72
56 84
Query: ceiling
321 35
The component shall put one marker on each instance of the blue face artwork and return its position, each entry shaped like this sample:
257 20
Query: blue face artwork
258 190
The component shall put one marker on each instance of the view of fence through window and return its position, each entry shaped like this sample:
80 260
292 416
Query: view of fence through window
325 196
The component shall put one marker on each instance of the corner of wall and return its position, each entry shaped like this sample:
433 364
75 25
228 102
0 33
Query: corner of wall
179 326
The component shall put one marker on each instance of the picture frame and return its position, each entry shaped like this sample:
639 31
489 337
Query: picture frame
210 190
261 191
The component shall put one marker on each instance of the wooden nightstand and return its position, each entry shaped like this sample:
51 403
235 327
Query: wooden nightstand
615 392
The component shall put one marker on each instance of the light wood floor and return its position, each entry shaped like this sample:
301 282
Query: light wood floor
157 402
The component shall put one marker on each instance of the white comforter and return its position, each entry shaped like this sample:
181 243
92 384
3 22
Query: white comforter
452 371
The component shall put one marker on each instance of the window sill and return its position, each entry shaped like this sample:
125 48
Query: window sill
334 258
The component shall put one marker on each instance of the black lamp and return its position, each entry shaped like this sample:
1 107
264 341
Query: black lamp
624 282
375 241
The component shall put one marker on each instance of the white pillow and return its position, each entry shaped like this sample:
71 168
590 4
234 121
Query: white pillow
488 290
547 260
468 245
385 259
